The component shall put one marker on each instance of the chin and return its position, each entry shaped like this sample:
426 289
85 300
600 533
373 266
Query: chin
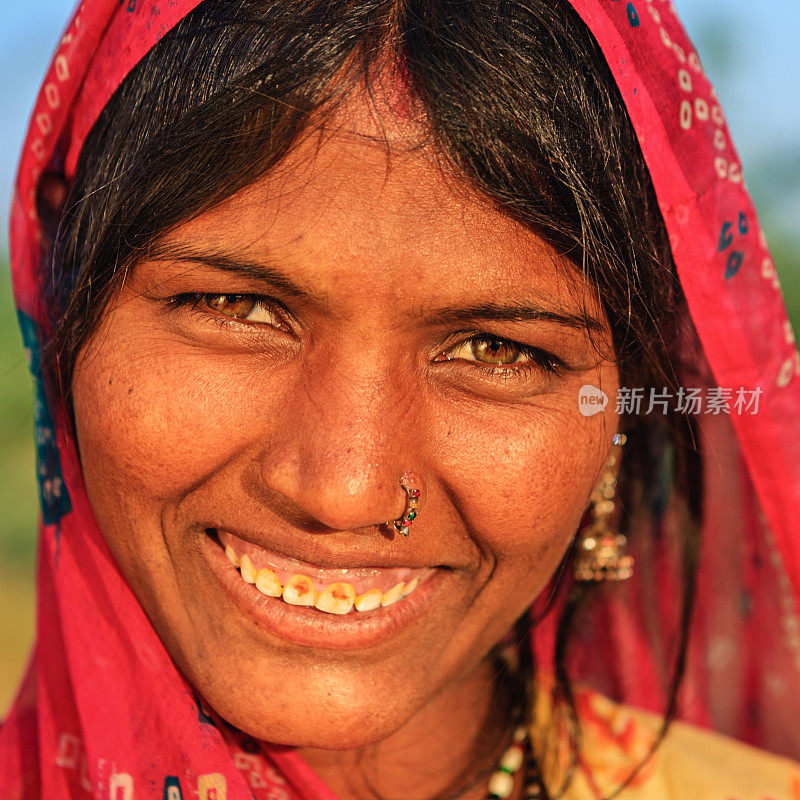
324 714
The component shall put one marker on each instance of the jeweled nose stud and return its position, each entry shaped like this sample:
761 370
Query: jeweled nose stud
403 524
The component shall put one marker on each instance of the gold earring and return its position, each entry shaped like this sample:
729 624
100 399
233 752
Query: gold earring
601 548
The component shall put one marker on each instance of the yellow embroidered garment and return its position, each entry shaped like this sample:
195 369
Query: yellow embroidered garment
689 764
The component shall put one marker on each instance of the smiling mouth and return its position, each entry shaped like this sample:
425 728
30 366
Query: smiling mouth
346 590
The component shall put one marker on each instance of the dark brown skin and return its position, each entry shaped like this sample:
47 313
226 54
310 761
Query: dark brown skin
302 425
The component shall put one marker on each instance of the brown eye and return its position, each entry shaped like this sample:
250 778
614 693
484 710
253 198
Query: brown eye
491 350
242 306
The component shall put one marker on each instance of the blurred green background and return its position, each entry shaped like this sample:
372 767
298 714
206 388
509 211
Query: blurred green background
750 60
18 498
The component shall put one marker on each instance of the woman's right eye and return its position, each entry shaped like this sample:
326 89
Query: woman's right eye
243 308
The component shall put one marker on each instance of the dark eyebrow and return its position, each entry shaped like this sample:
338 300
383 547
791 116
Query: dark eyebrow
260 271
272 275
513 313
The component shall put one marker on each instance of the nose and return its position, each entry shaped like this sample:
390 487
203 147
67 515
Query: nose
339 451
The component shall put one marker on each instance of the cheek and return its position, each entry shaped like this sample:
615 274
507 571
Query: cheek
157 419
522 475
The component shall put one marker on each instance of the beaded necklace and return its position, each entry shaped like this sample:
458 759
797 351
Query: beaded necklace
501 783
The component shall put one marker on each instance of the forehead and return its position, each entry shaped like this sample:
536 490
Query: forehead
366 201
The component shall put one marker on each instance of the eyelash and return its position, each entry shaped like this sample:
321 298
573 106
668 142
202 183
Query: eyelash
539 359
194 303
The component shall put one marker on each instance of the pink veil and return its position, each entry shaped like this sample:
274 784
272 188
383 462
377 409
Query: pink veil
744 660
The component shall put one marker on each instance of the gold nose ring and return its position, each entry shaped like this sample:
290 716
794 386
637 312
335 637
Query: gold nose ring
403 524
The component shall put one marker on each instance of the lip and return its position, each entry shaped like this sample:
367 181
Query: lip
309 627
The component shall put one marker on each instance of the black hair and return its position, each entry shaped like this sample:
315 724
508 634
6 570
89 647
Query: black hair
516 98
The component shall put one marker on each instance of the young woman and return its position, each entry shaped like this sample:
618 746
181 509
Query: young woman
416 411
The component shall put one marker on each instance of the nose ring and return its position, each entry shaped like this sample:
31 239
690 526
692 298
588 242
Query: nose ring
403 524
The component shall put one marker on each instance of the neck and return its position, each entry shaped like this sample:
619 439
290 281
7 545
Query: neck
444 751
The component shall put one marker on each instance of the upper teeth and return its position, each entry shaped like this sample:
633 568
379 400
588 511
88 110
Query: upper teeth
247 569
299 591
393 595
369 601
337 598
267 583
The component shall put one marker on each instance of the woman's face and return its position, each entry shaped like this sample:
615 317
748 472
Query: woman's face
270 374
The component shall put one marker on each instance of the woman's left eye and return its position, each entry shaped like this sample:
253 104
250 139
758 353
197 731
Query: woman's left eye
496 352
490 350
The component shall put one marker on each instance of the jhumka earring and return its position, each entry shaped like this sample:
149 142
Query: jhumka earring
601 549
403 524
